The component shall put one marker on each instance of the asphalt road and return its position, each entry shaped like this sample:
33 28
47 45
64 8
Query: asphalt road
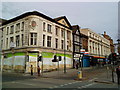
12 80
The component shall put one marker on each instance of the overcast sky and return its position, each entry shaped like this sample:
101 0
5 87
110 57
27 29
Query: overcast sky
98 16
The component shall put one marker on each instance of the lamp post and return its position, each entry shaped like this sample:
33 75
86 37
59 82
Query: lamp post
118 41
1 58
118 46
64 52
81 56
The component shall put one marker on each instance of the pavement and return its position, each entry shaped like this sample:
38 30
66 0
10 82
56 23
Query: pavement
72 74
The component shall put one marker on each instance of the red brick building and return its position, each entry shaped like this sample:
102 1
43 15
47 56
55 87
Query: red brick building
112 48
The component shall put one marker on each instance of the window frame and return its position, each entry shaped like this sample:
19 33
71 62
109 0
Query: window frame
49 38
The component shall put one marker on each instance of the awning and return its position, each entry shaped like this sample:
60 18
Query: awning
98 57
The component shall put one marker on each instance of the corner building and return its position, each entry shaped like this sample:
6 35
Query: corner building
32 34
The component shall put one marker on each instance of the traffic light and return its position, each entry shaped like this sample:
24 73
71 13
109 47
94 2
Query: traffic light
60 58
55 59
114 56
39 58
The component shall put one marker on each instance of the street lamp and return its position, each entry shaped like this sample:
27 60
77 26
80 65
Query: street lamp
64 54
118 41
118 46
64 51
1 58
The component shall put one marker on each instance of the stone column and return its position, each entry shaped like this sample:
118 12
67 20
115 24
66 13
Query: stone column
59 39
2 60
26 33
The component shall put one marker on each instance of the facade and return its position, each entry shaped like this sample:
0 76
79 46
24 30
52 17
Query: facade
112 48
98 46
30 35
84 41
76 44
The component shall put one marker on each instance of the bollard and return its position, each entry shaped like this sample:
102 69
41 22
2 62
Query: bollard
79 74
107 68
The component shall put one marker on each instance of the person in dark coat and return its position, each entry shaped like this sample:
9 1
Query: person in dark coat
77 65
31 69
38 71
118 74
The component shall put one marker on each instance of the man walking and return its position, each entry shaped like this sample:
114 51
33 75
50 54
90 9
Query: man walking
31 70
118 74
38 71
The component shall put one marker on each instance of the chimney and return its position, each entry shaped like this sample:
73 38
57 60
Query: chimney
104 32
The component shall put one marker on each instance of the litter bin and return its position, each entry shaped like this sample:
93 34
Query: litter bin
79 74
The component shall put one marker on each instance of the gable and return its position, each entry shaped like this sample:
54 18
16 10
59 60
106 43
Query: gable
76 29
63 20
78 32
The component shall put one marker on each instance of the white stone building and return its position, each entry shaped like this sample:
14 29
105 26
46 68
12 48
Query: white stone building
98 46
33 34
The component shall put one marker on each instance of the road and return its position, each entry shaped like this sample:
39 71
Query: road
93 78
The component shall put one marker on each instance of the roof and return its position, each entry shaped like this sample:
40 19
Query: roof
33 13
75 28
2 21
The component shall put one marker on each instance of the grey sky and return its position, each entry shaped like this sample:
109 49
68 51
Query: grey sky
98 16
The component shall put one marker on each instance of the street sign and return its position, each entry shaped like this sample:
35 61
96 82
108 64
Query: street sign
86 53
82 50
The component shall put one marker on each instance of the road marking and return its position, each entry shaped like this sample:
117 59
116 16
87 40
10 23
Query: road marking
50 87
64 84
24 83
55 86
61 85
85 86
69 83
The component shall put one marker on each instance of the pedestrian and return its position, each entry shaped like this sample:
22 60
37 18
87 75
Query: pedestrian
31 69
77 65
118 74
38 70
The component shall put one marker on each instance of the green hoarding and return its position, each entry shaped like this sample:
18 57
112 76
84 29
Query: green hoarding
50 55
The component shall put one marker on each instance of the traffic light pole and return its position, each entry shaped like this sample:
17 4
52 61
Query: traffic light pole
64 54
112 70
58 67
42 67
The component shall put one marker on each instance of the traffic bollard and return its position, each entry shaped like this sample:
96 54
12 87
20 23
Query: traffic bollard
79 74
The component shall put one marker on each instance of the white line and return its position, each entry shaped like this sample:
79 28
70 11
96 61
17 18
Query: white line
55 86
65 84
69 83
24 83
61 85
50 87
85 86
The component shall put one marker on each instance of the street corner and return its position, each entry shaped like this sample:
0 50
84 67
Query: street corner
81 79
104 81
